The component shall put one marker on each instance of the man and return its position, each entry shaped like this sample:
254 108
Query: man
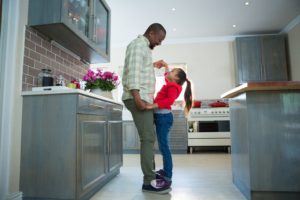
138 89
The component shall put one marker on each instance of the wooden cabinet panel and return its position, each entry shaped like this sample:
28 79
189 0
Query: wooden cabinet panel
80 26
260 58
178 135
131 139
91 153
248 59
274 58
69 151
115 149
48 156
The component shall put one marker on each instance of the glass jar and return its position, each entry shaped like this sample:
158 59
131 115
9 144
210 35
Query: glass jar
45 78
60 81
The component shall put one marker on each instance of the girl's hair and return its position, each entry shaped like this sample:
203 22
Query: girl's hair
188 91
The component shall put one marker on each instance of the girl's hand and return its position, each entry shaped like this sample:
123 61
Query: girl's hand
159 64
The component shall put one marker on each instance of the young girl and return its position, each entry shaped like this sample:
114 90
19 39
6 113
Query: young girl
163 119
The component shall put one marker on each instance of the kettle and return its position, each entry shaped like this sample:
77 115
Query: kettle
45 78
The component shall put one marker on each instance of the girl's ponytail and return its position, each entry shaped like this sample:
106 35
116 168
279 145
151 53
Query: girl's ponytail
188 96
188 90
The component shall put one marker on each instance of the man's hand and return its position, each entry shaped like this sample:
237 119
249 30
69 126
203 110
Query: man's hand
159 64
151 106
140 104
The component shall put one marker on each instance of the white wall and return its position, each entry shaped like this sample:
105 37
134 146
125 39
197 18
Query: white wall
294 52
210 64
11 52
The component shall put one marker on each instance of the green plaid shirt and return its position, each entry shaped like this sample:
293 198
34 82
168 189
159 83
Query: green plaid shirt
138 72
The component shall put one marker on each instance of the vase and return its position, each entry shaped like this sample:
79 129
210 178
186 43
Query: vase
107 94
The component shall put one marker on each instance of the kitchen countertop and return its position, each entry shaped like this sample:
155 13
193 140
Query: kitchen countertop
69 91
260 86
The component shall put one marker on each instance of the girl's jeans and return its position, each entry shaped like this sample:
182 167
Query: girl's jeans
163 123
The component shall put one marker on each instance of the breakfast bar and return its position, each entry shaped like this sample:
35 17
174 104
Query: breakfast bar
265 139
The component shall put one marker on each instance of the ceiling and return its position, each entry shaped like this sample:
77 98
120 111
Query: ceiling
195 20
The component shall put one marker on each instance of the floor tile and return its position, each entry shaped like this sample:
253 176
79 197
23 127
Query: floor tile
198 176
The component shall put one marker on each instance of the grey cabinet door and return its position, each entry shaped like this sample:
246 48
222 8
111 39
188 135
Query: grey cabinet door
48 157
91 151
74 24
274 58
249 64
130 136
115 150
261 58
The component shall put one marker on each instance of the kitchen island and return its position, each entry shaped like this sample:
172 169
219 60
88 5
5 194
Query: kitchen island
265 139
71 144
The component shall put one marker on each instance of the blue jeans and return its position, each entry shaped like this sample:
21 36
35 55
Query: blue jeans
163 123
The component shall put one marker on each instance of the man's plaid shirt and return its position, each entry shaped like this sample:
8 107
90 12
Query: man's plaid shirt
138 72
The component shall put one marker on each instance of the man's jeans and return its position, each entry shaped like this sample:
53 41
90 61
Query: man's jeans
163 123
144 123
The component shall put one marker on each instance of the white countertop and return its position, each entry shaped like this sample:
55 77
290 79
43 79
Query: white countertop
66 90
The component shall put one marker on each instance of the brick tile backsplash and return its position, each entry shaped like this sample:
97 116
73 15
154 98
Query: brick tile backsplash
40 53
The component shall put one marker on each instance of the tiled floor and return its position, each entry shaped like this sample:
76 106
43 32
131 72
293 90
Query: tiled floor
198 176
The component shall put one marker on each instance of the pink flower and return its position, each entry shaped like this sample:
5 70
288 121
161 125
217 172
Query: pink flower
107 75
100 79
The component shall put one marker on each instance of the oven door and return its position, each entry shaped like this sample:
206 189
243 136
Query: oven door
213 126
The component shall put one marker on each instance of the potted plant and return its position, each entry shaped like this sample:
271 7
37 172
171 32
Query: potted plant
101 82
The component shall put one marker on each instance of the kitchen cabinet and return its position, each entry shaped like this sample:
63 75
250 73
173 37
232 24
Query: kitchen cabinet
265 127
131 140
178 134
71 145
82 27
261 58
91 151
115 137
177 139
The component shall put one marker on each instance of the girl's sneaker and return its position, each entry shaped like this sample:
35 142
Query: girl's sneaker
160 174
160 183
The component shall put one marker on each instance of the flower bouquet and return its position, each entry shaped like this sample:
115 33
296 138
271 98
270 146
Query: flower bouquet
99 79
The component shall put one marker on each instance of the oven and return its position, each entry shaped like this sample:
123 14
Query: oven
209 127
213 126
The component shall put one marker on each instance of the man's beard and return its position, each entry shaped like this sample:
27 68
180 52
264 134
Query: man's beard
151 46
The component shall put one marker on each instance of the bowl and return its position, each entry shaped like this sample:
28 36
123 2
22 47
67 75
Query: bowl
196 104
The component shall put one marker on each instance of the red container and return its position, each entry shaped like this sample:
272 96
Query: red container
196 104
218 104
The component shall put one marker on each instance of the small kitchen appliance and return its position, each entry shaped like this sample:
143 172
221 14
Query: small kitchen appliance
45 78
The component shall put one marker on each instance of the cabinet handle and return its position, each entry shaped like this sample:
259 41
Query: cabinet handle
92 27
94 31
117 110
96 106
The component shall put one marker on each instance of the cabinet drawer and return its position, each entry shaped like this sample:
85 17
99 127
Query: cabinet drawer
115 111
88 105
